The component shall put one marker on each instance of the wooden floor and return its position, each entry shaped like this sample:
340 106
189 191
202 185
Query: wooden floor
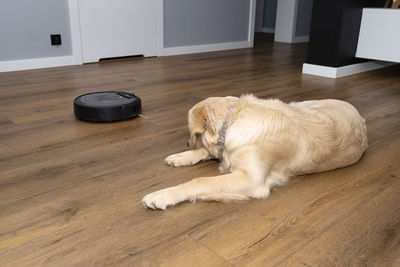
70 191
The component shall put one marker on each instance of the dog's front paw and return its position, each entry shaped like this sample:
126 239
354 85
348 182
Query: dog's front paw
160 199
178 160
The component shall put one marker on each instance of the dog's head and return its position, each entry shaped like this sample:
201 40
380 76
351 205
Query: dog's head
205 119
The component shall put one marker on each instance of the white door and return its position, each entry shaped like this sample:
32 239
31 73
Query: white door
116 28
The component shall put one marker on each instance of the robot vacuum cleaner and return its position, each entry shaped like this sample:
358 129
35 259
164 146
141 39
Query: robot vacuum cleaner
107 106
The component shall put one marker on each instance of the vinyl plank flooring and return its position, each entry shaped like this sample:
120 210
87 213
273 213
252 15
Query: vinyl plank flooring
368 236
70 191
286 222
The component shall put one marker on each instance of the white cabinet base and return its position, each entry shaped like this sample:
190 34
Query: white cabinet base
331 72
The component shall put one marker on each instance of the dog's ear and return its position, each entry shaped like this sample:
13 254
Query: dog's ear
199 118
202 121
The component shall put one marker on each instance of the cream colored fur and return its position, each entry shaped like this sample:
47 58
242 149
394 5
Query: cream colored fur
267 142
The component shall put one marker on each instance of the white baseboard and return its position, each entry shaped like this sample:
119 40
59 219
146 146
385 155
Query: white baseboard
38 63
332 72
180 50
301 39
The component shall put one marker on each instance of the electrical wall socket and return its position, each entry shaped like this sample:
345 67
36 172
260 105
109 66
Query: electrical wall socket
55 39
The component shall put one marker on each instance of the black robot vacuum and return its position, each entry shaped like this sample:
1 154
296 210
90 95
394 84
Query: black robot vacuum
107 106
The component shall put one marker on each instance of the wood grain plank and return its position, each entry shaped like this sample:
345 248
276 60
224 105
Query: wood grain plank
286 221
70 191
368 237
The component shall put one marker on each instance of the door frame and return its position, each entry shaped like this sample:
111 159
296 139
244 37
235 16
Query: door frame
74 21
252 22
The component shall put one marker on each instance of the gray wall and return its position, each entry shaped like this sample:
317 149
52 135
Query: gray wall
26 25
303 22
196 22
304 12
269 13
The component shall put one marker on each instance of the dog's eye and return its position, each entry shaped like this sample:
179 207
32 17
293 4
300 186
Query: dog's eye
187 144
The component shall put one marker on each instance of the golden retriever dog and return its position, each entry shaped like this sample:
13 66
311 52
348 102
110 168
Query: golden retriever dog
261 143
